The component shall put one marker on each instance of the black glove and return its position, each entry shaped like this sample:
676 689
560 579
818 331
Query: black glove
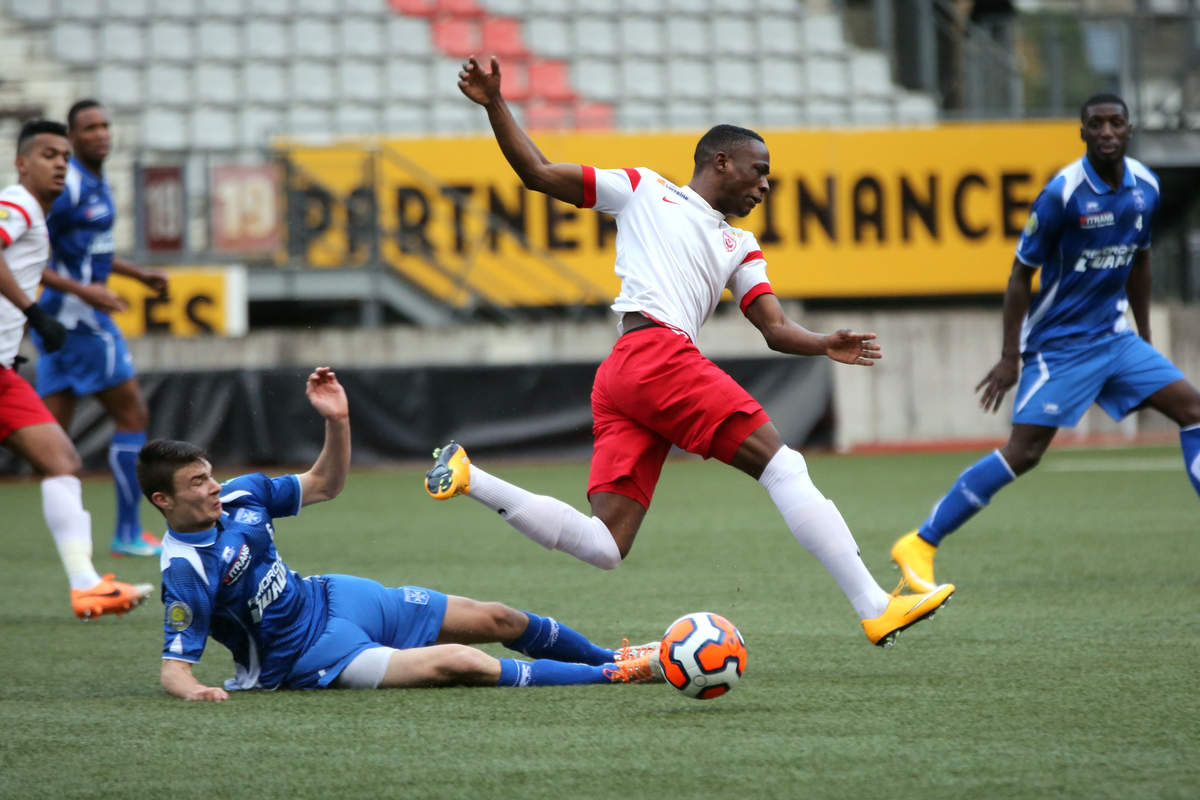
53 334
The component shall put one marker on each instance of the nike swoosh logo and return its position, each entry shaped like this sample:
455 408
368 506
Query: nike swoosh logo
672 202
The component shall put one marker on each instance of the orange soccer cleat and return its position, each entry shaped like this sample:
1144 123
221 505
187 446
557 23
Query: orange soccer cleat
108 597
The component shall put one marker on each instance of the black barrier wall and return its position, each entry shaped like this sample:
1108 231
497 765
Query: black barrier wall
247 417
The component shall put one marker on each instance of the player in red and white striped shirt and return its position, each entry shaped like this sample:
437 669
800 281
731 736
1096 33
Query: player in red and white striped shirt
676 253
26 426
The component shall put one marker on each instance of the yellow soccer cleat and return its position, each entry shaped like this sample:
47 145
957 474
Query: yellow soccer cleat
108 597
914 556
451 473
904 611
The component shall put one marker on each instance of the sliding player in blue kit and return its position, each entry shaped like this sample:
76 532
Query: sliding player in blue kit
1089 231
222 577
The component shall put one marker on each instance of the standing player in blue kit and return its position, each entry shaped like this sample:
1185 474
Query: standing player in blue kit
222 577
1089 231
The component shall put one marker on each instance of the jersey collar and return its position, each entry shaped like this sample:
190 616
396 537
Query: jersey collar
704 206
1098 184
198 538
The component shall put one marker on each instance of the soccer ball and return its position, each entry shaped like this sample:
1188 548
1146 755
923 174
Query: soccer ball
702 655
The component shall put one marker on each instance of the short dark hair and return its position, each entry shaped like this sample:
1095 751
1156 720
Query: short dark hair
1100 99
721 138
35 126
80 105
160 459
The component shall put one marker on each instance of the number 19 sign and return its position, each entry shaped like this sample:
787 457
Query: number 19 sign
245 209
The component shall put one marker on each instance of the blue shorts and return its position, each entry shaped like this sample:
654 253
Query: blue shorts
365 614
91 361
1119 373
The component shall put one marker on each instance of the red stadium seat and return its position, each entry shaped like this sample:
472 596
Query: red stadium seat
590 116
457 37
414 8
460 8
548 79
514 80
543 116
502 37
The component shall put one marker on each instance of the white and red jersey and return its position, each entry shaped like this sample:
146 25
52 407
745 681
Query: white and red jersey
675 252
26 251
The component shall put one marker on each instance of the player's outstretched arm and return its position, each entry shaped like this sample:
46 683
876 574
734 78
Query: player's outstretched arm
155 279
561 181
178 680
785 336
1003 376
327 477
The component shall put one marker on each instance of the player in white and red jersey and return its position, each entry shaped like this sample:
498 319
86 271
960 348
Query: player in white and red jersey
26 426
676 253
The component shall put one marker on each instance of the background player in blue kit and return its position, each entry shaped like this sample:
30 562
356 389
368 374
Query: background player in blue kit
222 577
94 359
1089 231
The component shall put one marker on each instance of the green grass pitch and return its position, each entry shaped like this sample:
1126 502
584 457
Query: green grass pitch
1066 666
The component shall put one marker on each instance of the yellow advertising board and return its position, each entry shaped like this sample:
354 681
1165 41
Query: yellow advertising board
200 301
852 213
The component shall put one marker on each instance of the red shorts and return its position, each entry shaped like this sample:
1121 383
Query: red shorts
20 406
656 389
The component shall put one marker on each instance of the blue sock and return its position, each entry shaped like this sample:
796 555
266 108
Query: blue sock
122 458
971 492
546 637
1189 439
548 673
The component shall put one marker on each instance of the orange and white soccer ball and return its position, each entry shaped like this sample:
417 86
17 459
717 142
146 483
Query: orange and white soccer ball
702 655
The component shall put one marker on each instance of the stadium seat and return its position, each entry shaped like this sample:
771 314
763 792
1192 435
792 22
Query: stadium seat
313 38
689 35
642 78
516 80
170 41
781 77
120 86
778 35
168 84
822 33
456 36
219 9
501 36
734 36
561 7
594 36
362 36
269 8
456 116
870 74
688 77
688 116
356 118
216 83
825 76
734 112
640 115
359 80
375 8
214 128
591 116
642 36
266 39
912 107
315 8
407 79
266 83
697 7
311 81
218 41
73 43
306 120
120 41
410 36
781 113
737 79
596 78
461 8
163 129
181 9
545 116
549 37
506 8
127 9
870 110
405 118
419 8
256 125
87 10
31 12
548 79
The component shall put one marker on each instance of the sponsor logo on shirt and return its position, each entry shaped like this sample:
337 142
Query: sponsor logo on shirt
179 616
1114 256
239 566
269 589
1102 220
248 516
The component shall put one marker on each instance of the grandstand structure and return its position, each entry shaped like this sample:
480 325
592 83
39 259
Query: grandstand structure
205 82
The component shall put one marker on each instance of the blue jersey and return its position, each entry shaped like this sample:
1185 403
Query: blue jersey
81 241
229 582
1084 235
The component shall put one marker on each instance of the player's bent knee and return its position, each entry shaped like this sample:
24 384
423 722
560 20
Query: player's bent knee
463 664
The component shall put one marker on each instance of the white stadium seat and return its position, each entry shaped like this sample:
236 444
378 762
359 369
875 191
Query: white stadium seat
163 129
315 8
688 116
74 43
219 40
266 39
360 80
406 79
405 118
214 128
215 9
305 119
408 36
168 84
825 76
643 36
596 36
217 84
269 8
313 38
548 37
31 12
642 78
506 8
781 77
128 9
120 41
870 74
780 113
734 112
185 9
821 33
779 34
738 78
356 118
256 126
690 35
170 41
689 78
119 86
735 36
311 81
596 78
362 36
89 10
265 82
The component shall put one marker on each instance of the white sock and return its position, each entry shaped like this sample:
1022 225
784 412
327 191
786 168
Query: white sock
818 526
71 526
551 523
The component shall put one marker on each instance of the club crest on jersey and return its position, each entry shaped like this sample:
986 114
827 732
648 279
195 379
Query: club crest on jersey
179 616
730 242
418 597
1031 226
248 516
239 565
1101 220
1139 200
